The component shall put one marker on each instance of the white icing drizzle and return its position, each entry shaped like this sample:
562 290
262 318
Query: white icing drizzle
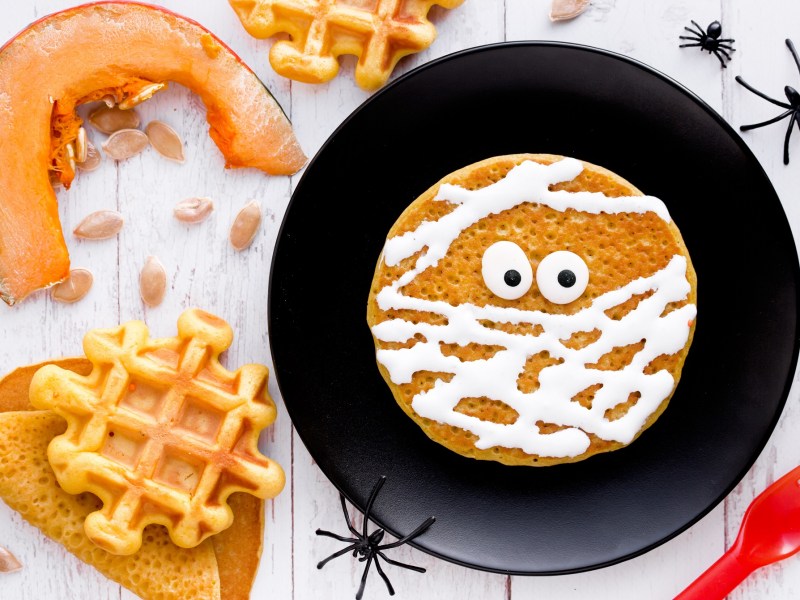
527 182
496 377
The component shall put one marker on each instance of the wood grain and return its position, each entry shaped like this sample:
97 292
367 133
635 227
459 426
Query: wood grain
203 270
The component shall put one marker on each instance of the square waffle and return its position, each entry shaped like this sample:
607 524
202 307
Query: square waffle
379 32
160 431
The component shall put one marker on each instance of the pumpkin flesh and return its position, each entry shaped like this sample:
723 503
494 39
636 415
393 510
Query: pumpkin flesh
118 49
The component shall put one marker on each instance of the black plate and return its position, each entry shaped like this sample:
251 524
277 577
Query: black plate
562 99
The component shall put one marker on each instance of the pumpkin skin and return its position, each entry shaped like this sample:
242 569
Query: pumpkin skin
80 55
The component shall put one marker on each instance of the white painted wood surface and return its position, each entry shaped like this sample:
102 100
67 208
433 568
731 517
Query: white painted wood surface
204 271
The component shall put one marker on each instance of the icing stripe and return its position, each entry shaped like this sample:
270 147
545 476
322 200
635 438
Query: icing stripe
527 182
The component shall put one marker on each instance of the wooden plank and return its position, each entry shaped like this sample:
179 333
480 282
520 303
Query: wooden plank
40 328
764 61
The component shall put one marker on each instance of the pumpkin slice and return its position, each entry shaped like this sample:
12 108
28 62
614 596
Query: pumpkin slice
125 50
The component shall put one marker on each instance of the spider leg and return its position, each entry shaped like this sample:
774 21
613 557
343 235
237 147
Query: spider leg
384 577
791 47
417 532
336 554
397 563
694 38
786 140
347 517
763 123
373 494
688 45
726 47
728 56
334 536
700 31
721 60
795 118
761 94
360 592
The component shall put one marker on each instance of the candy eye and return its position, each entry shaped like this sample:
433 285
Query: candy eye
506 270
562 277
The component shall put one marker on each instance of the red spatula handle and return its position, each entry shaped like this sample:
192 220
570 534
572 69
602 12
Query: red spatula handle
719 580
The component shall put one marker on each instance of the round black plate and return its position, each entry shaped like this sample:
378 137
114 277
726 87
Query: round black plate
561 99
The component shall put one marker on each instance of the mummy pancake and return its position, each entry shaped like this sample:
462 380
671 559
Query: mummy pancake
533 310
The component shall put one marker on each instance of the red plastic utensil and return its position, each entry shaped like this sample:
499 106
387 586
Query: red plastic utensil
770 532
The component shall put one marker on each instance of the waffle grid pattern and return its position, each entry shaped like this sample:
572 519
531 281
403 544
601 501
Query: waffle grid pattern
379 32
160 431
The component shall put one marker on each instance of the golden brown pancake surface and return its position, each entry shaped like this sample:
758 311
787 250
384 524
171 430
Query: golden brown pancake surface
617 246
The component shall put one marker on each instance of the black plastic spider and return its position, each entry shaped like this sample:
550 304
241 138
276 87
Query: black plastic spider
793 107
367 545
710 41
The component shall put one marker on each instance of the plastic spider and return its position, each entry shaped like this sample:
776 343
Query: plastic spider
710 41
793 107
367 546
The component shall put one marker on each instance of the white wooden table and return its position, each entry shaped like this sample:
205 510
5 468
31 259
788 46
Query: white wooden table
204 271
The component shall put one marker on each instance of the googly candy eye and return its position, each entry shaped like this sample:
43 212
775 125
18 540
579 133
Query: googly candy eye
506 270
562 277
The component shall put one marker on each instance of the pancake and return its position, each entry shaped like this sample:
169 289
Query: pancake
533 310
28 485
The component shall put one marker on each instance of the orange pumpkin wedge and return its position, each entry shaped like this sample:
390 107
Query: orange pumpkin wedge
122 49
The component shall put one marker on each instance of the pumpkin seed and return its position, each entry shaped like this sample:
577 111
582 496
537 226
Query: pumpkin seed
80 146
193 210
8 562
165 140
110 100
93 158
143 94
125 143
71 156
74 287
99 225
564 10
109 119
245 226
152 282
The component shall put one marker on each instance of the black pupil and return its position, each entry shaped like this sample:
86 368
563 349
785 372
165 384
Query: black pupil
512 278
566 278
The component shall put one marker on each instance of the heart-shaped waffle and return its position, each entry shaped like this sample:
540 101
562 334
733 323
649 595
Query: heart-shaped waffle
160 431
378 32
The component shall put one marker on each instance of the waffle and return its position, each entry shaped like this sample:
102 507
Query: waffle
378 32
619 247
159 569
159 431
